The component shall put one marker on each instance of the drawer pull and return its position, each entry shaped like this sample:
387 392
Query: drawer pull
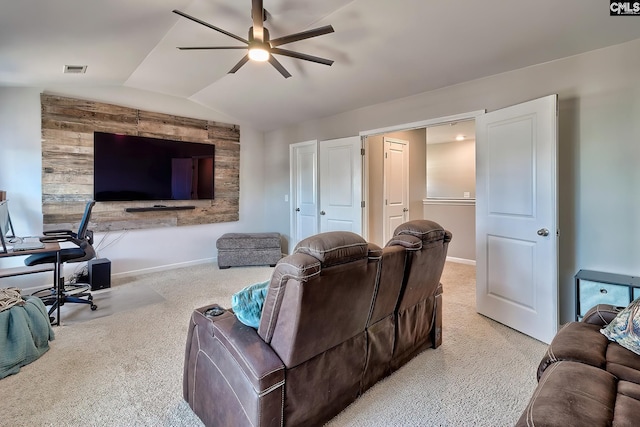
603 291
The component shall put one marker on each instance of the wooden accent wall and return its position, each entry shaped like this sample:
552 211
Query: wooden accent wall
67 165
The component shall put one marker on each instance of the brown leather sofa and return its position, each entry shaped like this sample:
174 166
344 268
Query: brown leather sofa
339 315
586 380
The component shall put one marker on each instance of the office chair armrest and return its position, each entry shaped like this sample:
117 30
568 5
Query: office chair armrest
61 238
59 233
55 238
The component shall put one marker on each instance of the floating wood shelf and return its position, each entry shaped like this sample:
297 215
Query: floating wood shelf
160 208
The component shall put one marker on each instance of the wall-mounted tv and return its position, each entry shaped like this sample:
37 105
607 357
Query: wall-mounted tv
134 168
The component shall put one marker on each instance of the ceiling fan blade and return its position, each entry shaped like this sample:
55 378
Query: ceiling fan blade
213 27
257 15
302 36
278 66
239 64
299 55
210 47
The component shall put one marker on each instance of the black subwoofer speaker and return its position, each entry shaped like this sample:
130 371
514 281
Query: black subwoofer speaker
99 273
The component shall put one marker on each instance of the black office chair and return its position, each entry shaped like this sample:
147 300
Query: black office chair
62 293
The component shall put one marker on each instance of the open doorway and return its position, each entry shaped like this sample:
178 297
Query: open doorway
516 219
441 180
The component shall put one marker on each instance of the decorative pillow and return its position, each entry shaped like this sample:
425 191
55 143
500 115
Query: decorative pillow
625 327
247 303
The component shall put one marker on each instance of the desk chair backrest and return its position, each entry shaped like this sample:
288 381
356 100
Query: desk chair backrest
83 238
83 232
84 223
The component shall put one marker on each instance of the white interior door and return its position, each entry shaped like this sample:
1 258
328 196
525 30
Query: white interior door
516 217
303 158
341 185
396 185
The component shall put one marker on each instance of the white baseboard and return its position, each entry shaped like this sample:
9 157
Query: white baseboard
31 289
461 260
165 267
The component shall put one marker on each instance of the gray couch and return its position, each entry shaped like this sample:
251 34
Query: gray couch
339 315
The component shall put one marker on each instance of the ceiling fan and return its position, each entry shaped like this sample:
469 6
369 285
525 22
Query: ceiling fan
260 47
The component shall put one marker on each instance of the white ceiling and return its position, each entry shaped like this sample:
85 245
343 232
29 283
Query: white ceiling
448 132
383 49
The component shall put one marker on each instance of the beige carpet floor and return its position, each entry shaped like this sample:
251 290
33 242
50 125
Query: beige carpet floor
125 369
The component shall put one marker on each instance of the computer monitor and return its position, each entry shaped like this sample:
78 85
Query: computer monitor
6 228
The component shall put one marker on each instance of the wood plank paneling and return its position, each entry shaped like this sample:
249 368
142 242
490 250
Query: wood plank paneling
68 125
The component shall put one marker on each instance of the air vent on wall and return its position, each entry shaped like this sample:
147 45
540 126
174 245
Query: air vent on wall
75 69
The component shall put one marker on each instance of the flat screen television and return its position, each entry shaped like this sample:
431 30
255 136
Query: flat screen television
134 168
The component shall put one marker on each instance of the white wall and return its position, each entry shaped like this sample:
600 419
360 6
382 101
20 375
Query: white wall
151 249
20 157
599 148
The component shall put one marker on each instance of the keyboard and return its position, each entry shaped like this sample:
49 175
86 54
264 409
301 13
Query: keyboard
28 244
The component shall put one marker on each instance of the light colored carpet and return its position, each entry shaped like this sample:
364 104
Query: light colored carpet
110 301
125 369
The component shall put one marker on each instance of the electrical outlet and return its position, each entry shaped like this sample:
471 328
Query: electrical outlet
286 197
467 194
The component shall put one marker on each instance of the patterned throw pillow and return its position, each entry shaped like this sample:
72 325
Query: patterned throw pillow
247 303
625 328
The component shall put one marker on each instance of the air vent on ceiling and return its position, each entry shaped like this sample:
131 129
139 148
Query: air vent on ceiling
75 69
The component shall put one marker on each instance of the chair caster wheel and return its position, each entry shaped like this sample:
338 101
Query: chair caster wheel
94 307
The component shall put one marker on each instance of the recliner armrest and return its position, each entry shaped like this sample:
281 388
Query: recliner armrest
260 363
601 314
230 373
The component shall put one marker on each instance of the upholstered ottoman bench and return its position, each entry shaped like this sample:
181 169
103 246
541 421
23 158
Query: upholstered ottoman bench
242 249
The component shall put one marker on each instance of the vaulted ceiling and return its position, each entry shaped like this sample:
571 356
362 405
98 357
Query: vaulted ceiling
382 49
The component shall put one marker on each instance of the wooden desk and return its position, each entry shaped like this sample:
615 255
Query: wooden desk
19 271
49 247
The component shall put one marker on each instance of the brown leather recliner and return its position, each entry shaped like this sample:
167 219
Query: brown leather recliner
419 310
327 331
407 313
584 379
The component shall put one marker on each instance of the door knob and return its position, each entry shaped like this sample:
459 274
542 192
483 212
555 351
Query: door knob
297 209
405 210
543 232
322 212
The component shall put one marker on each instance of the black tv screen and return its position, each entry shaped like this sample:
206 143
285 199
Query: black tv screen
132 168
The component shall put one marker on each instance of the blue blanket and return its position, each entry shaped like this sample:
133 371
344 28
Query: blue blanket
25 332
247 303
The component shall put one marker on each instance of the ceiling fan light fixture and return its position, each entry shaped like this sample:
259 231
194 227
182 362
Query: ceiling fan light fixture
260 47
258 53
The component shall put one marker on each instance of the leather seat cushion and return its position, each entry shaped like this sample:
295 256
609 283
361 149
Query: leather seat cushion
572 394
